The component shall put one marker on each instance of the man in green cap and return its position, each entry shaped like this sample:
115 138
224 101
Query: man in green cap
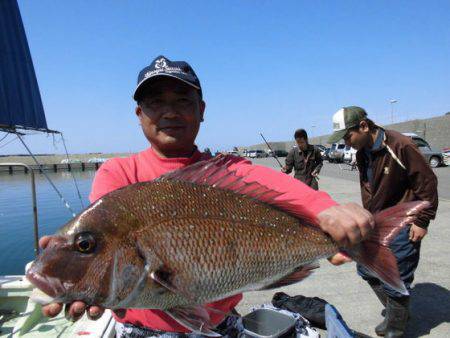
392 170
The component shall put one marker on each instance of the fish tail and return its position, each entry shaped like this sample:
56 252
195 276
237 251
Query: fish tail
374 253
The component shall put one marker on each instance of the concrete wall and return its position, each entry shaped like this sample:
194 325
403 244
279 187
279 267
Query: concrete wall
435 130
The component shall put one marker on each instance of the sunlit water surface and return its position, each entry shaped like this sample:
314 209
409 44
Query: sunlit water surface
16 216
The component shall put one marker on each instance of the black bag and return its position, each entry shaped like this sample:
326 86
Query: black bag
312 309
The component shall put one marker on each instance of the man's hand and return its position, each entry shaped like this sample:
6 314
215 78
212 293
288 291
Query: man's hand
283 169
75 310
416 233
347 224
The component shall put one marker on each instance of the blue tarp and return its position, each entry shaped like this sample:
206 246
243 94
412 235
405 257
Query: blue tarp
20 100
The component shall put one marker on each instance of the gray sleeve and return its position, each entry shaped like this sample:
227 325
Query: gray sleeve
289 161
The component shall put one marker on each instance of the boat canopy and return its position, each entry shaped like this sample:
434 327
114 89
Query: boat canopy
20 100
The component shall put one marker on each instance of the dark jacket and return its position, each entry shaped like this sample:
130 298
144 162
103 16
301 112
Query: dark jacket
304 163
399 174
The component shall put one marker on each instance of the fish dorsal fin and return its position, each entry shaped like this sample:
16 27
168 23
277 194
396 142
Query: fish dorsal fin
216 172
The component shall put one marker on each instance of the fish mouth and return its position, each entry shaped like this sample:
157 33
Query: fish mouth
49 285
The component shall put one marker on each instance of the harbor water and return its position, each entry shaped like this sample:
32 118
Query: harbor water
16 215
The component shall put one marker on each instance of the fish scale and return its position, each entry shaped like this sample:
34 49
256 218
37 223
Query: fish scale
221 248
216 241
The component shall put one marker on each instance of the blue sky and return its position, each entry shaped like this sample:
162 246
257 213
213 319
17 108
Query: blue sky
265 66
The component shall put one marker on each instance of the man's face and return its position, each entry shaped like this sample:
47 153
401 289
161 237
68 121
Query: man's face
359 137
170 113
302 143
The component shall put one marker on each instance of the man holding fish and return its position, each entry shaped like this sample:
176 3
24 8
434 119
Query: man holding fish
174 252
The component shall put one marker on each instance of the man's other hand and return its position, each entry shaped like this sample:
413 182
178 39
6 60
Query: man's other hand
75 310
347 224
416 233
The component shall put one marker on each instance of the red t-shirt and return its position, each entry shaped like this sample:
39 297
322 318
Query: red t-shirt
147 165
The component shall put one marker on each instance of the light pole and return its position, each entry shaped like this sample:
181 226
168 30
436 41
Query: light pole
392 109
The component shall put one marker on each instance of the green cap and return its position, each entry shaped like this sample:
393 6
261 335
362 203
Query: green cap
344 119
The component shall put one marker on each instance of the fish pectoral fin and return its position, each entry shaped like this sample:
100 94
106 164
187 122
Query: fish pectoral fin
163 278
296 276
159 272
195 318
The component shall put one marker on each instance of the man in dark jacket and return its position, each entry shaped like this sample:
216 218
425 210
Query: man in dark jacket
392 171
305 159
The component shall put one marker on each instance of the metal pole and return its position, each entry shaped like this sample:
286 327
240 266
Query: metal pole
33 197
392 110
273 153
392 113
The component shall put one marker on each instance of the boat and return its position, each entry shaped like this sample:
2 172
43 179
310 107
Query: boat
21 317
21 110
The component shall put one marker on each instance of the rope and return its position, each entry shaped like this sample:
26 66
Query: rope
4 137
4 145
73 176
63 200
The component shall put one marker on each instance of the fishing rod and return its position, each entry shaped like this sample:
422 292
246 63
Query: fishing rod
273 153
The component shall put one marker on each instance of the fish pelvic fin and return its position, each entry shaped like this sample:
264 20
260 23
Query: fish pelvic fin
374 253
296 276
195 318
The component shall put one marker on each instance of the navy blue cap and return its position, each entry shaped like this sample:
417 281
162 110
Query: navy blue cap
162 66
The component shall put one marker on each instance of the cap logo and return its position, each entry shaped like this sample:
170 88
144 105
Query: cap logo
337 126
162 67
161 63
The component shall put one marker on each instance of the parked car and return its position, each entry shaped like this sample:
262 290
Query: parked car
279 153
322 149
336 154
326 154
446 156
349 154
432 156
257 154
233 152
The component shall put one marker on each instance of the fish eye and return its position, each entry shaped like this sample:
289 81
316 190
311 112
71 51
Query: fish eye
85 243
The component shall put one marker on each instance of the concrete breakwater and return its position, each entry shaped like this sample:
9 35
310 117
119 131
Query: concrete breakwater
55 167
56 162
